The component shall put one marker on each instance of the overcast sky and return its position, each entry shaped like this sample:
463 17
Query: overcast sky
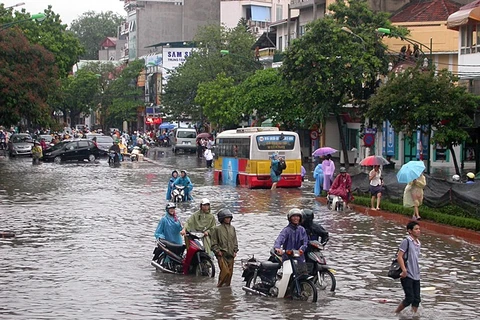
68 10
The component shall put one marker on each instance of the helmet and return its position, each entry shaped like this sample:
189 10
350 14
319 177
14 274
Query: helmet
224 213
204 201
456 177
307 215
471 175
170 205
184 171
294 212
343 170
174 171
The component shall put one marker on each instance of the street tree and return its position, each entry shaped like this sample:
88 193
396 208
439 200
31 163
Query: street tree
204 64
91 28
216 99
337 61
423 100
122 95
268 96
78 95
52 35
28 77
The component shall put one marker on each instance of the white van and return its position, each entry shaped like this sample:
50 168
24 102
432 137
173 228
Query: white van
184 139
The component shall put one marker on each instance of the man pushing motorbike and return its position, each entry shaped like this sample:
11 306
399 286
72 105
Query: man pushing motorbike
202 221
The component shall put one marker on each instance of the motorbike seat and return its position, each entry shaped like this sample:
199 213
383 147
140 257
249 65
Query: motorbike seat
270 265
175 248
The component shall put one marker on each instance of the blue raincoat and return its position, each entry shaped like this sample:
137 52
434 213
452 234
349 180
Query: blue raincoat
273 169
169 229
318 176
185 181
169 188
292 237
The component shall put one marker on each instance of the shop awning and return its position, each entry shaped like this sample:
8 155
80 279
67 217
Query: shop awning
461 18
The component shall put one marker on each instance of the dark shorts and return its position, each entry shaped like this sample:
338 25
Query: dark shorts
412 292
374 190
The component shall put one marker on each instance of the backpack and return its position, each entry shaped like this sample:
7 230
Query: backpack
282 165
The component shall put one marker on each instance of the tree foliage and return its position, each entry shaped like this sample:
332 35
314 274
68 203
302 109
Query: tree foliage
205 63
267 95
27 79
50 33
92 28
415 99
78 94
330 67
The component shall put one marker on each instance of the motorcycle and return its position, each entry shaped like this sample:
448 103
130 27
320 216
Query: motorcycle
263 278
135 153
178 193
113 159
170 257
323 275
335 203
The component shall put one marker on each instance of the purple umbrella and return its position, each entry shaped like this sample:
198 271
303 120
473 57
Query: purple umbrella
323 151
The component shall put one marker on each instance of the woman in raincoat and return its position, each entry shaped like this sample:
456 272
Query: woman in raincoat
185 181
413 195
318 176
170 184
328 168
169 226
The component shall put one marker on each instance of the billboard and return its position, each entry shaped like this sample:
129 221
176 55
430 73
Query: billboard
173 57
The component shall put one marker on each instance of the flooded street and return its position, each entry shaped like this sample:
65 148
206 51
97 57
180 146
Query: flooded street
85 240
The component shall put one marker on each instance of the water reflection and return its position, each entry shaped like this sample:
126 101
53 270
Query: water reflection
85 237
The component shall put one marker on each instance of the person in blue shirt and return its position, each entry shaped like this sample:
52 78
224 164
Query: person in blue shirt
170 184
293 236
169 226
184 180
318 176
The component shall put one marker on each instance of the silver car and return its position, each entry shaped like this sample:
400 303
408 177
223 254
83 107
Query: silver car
20 144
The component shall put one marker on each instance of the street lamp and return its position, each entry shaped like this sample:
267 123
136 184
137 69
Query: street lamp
36 17
411 41
347 30
16 5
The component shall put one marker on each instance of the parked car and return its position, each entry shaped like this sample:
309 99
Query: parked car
20 144
72 150
103 142
184 139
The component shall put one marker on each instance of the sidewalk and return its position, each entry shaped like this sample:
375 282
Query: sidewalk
437 228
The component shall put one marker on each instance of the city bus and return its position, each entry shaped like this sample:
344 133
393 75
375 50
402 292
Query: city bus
243 157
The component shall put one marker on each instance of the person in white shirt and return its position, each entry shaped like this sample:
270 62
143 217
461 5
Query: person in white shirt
208 155
376 185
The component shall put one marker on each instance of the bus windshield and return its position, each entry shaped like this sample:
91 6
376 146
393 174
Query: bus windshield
276 142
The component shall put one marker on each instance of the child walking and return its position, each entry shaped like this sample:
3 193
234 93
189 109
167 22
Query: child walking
225 246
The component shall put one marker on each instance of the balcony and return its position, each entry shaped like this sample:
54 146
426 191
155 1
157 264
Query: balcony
300 4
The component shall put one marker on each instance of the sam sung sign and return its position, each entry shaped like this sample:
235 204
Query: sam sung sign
173 57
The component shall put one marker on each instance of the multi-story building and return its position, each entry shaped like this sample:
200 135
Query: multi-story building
162 21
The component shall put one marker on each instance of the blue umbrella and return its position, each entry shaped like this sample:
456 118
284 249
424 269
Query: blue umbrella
410 171
167 125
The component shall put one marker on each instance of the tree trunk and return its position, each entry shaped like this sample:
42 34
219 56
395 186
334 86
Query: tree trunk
342 140
454 157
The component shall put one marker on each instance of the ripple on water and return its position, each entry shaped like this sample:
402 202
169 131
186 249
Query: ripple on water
85 238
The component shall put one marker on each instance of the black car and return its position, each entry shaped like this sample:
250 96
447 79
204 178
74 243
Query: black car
68 150
103 142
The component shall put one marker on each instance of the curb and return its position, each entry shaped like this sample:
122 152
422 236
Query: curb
440 229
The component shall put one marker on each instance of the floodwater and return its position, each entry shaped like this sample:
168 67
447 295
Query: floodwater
85 240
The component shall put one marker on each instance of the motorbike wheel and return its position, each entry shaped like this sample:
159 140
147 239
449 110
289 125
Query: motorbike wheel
205 268
250 282
308 291
161 261
325 280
